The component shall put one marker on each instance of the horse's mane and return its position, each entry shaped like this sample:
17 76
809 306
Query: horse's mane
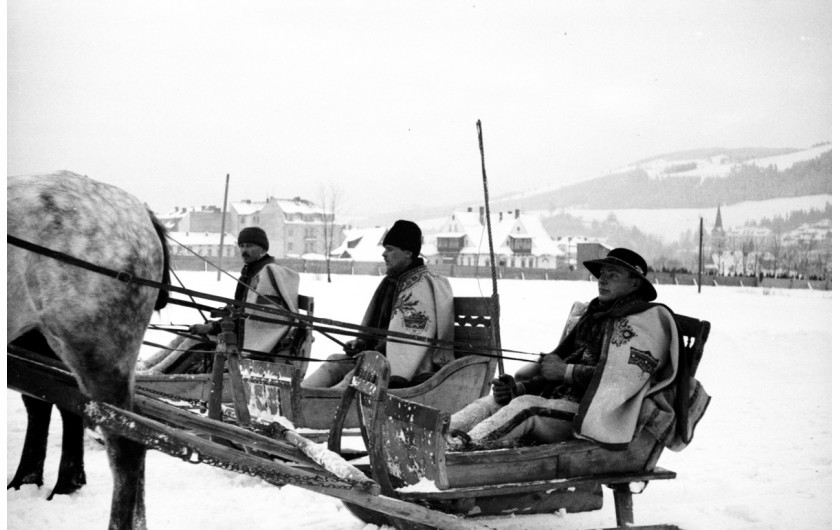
163 294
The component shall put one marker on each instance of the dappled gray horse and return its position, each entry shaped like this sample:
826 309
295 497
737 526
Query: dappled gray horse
92 322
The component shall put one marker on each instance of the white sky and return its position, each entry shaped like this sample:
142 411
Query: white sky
381 98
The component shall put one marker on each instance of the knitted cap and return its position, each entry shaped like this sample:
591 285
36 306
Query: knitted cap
253 235
405 235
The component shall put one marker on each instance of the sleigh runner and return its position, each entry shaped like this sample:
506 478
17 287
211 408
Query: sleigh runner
197 439
406 446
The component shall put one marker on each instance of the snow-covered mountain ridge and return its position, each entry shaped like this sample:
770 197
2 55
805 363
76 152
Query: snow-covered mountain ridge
750 203
722 162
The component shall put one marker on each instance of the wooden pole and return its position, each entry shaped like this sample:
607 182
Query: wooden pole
700 259
495 298
222 237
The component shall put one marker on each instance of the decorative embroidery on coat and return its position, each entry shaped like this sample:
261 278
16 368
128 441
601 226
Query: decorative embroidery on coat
623 333
643 359
413 319
411 278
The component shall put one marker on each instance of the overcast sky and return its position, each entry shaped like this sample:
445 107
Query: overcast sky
380 99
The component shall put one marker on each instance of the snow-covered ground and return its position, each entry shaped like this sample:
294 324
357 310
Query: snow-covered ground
761 458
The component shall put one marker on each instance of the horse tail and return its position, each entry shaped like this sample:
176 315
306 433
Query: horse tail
163 294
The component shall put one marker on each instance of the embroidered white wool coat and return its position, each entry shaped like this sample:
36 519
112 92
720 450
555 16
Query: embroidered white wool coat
423 306
640 356
262 336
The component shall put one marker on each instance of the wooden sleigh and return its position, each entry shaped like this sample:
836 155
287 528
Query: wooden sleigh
406 446
198 387
274 390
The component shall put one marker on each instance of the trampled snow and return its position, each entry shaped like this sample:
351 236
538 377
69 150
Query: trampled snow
761 458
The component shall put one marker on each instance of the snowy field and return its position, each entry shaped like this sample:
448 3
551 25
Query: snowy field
761 458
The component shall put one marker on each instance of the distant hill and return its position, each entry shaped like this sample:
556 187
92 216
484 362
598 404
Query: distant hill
743 154
685 183
694 179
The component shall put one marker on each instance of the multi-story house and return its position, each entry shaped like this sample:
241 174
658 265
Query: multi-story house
295 227
519 241
204 244
192 219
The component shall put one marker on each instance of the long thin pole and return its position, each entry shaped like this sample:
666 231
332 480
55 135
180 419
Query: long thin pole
700 263
222 237
495 299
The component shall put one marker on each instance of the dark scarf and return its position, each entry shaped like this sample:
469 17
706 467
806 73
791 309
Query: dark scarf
583 343
249 271
382 305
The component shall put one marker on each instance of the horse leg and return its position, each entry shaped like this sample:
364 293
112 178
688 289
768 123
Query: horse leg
128 465
126 458
71 469
31 467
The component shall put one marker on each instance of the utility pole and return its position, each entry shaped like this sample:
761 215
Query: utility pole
700 260
222 237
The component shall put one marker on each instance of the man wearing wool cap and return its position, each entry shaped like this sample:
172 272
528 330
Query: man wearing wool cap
261 281
410 299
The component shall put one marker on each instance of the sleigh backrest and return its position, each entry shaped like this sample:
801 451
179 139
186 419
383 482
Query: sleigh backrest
302 335
474 332
694 333
263 379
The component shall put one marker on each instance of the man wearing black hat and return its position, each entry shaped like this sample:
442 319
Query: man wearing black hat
261 281
615 352
410 299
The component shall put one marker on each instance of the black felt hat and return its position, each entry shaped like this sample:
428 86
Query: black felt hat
626 259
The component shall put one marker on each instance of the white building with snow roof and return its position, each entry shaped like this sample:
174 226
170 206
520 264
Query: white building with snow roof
204 244
294 227
361 244
519 241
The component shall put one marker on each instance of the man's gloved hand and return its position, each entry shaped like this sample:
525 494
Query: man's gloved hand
201 329
505 388
552 368
354 347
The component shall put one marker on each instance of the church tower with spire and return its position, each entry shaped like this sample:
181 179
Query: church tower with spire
718 229
717 241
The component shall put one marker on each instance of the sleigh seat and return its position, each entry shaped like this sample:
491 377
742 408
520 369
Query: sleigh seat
275 390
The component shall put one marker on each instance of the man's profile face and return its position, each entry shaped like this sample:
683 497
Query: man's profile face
396 259
250 252
615 282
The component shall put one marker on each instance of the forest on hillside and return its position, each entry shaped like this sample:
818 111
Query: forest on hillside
636 189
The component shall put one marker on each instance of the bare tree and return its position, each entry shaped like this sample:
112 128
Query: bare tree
776 248
748 255
329 202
